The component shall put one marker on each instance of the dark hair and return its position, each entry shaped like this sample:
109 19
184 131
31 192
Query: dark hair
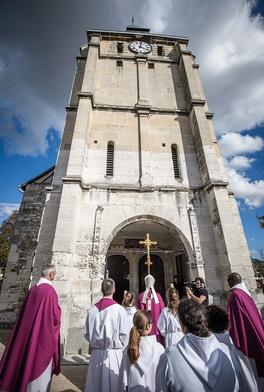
235 277
201 280
140 320
172 300
217 319
193 316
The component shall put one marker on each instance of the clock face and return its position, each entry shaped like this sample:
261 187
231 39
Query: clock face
140 47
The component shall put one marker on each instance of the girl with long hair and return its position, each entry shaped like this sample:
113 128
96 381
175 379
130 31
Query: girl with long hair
141 357
168 322
130 308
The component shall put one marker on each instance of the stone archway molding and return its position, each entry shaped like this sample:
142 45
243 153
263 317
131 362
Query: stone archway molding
193 265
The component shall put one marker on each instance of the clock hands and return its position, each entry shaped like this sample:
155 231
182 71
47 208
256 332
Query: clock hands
140 47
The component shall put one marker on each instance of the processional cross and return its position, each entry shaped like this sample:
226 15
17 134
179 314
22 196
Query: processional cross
147 243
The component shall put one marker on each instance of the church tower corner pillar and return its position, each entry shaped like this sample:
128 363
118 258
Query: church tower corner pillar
199 262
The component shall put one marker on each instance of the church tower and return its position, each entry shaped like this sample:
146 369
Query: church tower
138 156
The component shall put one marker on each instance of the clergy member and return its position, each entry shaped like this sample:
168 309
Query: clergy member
198 362
106 329
152 302
247 326
32 353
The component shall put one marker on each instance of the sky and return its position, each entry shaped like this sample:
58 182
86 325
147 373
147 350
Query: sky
40 40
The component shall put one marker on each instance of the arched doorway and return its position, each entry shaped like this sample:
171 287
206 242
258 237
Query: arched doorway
118 269
169 255
156 270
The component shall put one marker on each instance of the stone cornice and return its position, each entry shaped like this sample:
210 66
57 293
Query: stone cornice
71 108
122 187
209 115
216 184
197 102
136 108
135 188
128 56
91 43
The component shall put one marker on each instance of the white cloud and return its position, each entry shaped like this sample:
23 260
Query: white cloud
232 62
37 66
6 210
156 14
241 163
238 167
26 116
232 144
252 192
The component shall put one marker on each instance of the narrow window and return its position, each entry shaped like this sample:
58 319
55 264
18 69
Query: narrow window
175 161
160 50
119 47
119 63
110 159
151 65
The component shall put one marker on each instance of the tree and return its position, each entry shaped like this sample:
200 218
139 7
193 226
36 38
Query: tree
6 231
261 252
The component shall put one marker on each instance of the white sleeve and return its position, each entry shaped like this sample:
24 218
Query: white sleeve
123 374
124 327
86 329
162 374
162 323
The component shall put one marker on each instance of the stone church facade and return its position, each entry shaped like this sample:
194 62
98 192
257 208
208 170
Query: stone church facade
138 155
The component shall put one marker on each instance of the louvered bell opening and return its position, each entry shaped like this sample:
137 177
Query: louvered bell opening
175 161
110 160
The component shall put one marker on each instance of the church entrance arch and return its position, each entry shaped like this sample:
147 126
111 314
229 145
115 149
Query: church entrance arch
118 269
156 270
126 254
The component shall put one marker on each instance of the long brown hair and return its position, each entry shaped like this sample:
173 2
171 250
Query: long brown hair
172 300
140 320
128 299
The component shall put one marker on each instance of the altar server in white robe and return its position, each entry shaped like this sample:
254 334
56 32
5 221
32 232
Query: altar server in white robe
130 308
168 321
141 357
218 323
198 362
106 329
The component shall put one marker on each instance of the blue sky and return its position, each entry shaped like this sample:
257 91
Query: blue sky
39 44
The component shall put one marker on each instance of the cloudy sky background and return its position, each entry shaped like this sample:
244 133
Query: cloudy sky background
40 40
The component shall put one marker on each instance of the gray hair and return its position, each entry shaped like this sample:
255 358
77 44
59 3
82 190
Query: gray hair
47 269
108 285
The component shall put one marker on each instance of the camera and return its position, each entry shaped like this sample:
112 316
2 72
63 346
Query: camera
191 285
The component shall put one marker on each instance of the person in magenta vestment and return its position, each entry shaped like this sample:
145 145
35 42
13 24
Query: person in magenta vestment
153 303
247 326
32 353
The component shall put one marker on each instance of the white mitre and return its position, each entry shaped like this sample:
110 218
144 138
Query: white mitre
149 282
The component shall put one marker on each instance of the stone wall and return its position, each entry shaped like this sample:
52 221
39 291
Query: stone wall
23 246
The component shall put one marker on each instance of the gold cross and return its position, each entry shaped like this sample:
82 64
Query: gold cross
147 243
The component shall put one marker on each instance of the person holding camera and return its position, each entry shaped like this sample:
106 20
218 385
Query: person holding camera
200 294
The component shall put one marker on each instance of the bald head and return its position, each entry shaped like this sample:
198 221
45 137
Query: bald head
233 279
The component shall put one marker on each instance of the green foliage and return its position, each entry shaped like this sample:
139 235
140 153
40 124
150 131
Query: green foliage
261 252
6 231
258 267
